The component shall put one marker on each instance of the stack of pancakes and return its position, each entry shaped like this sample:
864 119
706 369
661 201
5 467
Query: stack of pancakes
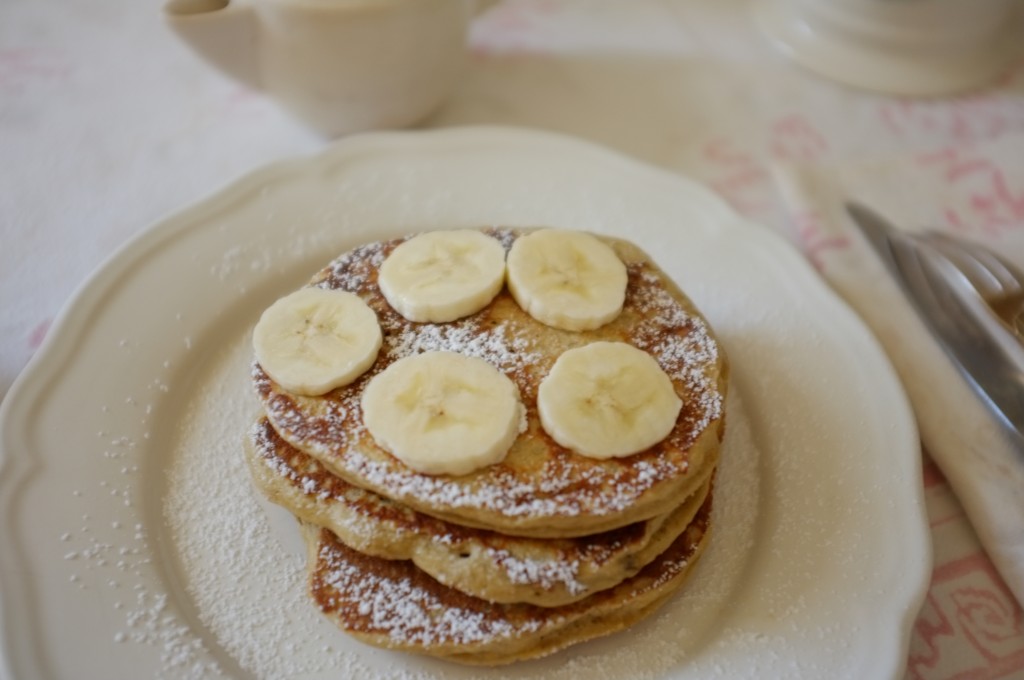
521 558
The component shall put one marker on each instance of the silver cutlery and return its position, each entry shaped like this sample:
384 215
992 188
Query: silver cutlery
999 283
953 288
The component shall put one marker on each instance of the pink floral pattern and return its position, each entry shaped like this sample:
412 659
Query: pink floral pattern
21 67
795 138
962 121
970 626
736 174
982 195
38 334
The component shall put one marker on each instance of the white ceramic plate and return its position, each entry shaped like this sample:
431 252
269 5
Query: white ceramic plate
133 546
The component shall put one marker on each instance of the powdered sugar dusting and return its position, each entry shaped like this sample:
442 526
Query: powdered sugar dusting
496 344
559 493
681 342
233 564
367 519
397 605
653 319
111 552
544 573
408 613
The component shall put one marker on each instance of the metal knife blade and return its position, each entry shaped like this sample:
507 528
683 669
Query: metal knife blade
979 348
878 232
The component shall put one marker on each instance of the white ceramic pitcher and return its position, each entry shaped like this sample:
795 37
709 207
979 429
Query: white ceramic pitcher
341 66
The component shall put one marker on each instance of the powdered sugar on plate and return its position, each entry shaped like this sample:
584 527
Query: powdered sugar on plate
248 589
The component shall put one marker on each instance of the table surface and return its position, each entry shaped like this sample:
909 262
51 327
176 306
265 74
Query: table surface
108 123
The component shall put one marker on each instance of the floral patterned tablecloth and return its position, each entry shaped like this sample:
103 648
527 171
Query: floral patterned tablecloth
107 123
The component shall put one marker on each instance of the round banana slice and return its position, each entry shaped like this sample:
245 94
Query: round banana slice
441 276
607 400
315 339
442 412
566 279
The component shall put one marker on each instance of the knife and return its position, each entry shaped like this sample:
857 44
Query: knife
985 353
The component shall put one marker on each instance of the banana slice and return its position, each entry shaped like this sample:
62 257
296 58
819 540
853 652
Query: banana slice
316 339
566 279
442 412
441 276
607 400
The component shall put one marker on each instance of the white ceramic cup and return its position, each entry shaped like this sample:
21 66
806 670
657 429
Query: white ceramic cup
904 47
341 66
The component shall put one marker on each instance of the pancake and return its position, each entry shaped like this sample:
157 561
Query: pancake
392 604
485 564
540 489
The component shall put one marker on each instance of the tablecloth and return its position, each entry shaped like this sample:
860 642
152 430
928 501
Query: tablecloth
108 123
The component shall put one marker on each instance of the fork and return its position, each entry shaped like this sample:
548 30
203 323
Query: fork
934 270
999 283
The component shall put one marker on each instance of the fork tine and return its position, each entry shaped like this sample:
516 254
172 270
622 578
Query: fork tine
992 276
977 275
1010 279
996 281
965 335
